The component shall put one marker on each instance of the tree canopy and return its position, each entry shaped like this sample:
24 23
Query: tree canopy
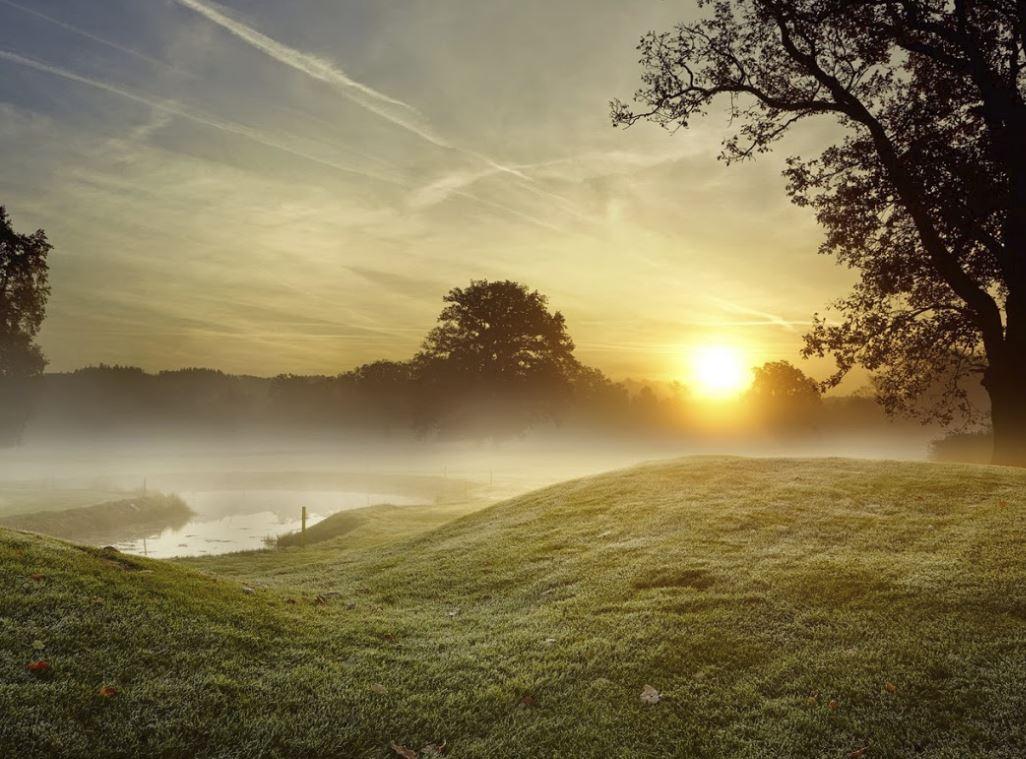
24 289
924 192
501 332
498 359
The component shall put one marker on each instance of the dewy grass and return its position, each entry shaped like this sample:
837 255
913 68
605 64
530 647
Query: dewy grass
781 608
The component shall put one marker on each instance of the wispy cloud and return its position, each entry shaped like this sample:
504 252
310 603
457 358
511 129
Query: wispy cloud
768 318
389 108
175 109
88 35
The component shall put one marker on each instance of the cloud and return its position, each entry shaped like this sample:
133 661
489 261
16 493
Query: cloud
389 108
175 109
769 318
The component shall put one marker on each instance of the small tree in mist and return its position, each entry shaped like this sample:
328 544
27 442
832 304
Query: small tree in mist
24 289
924 194
497 357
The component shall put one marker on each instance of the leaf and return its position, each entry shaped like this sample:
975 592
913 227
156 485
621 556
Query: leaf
38 666
38 645
527 700
378 688
38 576
107 691
434 750
405 753
858 753
833 704
890 687
650 695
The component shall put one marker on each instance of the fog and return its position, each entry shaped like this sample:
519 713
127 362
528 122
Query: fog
241 491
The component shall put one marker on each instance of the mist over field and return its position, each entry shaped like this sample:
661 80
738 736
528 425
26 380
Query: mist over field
518 378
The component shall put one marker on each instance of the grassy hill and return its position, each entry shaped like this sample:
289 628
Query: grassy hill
779 608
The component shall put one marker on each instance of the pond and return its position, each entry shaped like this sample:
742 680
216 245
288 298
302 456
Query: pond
243 520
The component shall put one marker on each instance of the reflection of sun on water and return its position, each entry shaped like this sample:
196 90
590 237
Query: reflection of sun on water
719 371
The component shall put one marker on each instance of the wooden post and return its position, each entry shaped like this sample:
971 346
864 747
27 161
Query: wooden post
303 539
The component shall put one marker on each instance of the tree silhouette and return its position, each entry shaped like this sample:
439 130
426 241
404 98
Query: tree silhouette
925 195
498 355
501 332
24 289
784 396
782 383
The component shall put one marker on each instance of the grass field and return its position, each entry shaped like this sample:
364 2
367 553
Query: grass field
779 608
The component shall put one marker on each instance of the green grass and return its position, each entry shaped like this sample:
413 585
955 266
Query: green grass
374 525
750 593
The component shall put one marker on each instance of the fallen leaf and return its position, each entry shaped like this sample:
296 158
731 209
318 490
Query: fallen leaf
858 753
833 704
38 576
890 687
107 691
37 667
38 645
1002 504
452 613
650 695
434 749
248 590
320 600
549 641
527 700
811 700
405 753
378 688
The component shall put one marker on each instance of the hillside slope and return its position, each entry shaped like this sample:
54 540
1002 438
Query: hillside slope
781 608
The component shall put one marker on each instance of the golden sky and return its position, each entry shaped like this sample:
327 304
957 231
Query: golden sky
261 186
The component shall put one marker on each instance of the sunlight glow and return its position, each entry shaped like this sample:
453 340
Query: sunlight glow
719 371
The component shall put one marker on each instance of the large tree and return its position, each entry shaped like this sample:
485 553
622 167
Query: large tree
497 359
24 290
923 192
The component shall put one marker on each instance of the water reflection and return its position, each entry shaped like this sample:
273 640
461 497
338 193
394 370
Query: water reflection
232 520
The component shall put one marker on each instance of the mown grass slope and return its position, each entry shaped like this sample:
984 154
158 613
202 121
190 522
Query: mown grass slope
781 608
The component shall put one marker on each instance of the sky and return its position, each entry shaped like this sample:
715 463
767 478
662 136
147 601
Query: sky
262 186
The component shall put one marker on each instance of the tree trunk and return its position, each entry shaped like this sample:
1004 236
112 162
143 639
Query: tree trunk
1006 384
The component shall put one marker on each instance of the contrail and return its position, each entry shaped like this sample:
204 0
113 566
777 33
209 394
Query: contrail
174 109
87 35
769 318
320 69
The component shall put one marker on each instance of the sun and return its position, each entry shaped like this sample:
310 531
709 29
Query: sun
719 371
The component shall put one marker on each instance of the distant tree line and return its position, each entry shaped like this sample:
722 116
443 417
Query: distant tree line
497 364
